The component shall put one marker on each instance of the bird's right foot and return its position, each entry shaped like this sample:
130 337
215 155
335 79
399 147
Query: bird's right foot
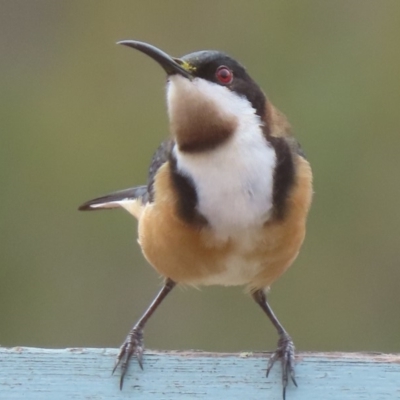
133 346
284 352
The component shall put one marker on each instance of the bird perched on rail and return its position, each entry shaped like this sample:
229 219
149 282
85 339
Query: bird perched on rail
227 195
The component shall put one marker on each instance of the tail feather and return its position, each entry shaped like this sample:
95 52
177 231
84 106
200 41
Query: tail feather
131 199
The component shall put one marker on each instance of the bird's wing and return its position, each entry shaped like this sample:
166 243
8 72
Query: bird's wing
160 157
133 199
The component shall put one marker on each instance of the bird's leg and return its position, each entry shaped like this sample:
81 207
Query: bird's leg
133 344
285 350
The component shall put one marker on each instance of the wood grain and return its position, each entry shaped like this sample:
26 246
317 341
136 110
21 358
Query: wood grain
81 373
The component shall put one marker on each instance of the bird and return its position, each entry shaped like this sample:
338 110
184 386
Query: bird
228 192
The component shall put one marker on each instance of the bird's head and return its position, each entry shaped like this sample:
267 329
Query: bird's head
210 96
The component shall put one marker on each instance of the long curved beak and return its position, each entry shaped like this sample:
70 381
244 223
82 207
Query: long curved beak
170 65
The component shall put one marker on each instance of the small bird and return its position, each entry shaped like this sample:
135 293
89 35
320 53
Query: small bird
227 195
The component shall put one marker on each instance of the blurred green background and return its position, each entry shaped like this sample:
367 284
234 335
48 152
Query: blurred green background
81 117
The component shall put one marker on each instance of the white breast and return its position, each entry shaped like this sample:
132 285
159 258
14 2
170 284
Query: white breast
234 182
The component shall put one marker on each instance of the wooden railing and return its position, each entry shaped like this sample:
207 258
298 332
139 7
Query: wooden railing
82 373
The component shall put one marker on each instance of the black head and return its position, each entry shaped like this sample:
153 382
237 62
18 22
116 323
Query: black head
223 70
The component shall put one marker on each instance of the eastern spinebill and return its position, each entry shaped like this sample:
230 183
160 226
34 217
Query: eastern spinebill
227 195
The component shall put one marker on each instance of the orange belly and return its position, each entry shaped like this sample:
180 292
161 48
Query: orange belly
192 256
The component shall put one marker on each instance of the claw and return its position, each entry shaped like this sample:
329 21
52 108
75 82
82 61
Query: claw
133 345
115 366
284 352
272 360
139 356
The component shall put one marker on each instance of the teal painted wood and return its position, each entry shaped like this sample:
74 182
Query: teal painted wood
33 374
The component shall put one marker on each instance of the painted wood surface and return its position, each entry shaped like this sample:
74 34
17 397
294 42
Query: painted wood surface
80 373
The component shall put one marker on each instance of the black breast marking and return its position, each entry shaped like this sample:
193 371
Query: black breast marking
186 195
284 175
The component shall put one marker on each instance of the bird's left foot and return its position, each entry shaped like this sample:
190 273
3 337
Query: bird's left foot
284 352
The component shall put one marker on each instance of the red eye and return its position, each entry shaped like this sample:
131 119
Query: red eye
224 75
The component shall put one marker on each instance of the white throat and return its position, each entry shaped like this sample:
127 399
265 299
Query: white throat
234 181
